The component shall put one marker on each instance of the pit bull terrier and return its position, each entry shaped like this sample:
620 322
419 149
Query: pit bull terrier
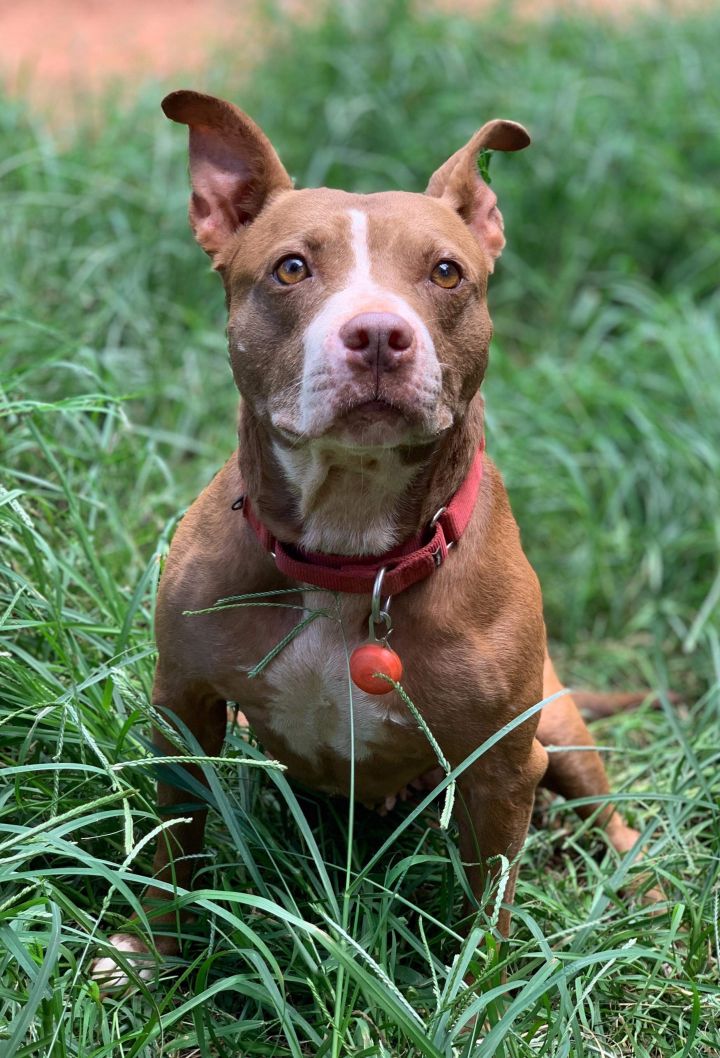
358 334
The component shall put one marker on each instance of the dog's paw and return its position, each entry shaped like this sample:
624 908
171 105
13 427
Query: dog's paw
111 975
639 887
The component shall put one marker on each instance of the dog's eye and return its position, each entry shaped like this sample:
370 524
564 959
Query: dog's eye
446 274
291 270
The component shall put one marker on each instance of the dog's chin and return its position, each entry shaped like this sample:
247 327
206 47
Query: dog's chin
378 424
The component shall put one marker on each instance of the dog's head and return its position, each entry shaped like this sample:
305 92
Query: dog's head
358 319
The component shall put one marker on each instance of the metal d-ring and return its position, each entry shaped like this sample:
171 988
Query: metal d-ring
433 522
379 611
436 517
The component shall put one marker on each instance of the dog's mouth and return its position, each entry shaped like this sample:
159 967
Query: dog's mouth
369 412
377 422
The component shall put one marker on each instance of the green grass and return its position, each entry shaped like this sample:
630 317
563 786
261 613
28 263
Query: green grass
604 415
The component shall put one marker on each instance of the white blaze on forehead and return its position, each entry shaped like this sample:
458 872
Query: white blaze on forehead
360 247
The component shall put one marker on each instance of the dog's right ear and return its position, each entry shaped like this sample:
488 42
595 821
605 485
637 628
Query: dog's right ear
233 167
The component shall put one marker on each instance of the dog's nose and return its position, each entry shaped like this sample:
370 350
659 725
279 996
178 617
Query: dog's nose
379 340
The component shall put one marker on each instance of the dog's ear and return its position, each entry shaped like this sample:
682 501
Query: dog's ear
233 167
459 183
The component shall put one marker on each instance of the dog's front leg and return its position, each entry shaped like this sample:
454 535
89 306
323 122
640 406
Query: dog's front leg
493 818
179 844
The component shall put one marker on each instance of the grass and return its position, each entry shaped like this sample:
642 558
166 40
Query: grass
604 414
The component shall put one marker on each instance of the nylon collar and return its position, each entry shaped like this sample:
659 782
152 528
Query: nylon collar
405 565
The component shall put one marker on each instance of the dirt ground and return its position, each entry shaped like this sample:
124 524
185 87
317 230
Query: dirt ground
54 51
57 50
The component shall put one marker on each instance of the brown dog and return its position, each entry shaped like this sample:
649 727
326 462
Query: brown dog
358 334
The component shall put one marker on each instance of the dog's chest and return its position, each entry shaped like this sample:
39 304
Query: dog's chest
309 698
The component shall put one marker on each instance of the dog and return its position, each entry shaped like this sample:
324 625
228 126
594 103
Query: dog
358 332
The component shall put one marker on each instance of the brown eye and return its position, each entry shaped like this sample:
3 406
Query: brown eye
446 274
291 270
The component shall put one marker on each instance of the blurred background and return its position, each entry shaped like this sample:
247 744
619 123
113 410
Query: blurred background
117 406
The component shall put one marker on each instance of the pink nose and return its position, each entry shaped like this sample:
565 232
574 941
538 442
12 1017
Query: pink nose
379 340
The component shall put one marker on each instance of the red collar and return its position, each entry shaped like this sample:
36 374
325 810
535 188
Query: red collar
406 564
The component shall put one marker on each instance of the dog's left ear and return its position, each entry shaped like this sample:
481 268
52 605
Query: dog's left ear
459 183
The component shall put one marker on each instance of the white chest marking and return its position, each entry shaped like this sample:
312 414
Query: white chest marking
310 689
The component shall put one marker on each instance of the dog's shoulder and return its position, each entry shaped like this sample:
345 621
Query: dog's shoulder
212 554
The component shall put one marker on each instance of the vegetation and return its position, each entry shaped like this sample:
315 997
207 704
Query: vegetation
604 414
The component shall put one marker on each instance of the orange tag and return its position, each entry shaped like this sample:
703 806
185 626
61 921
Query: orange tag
367 660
